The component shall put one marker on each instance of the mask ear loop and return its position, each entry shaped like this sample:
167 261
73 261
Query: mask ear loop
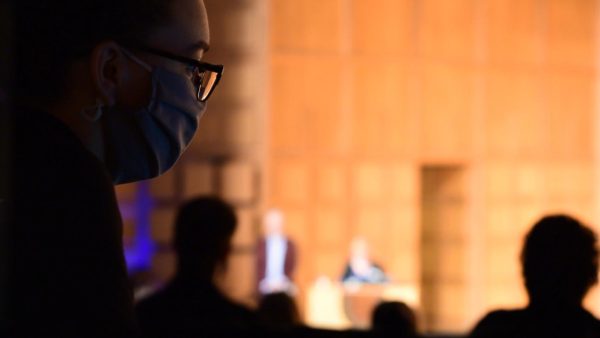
148 68
93 113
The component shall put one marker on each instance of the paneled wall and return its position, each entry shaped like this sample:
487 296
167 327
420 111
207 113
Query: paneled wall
365 94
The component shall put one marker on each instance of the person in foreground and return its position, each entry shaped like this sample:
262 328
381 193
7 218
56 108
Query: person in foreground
560 265
106 92
191 305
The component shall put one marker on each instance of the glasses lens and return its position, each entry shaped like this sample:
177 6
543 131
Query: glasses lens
207 84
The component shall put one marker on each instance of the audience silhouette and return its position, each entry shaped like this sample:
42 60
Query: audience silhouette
191 305
559 264
393 319
278 311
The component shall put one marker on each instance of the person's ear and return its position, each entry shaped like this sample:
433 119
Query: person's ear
108 69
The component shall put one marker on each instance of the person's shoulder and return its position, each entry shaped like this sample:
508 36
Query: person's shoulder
46 150
231 308
591 323
496 322
153 308
505 314
153 301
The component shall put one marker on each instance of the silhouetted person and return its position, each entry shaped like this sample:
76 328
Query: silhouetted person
560 264
106 92
278 311
191 305
393 319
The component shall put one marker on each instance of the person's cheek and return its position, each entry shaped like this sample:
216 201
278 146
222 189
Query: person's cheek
135 91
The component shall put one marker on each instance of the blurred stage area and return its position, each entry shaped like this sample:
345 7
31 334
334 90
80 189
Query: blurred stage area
438 130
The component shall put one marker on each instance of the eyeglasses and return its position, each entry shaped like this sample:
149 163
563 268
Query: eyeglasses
205 76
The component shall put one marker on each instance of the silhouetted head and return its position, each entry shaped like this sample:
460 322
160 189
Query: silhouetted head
560 260
203 232
278 310
394 319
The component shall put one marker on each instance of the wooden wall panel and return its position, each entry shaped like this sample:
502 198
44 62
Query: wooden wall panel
514 32
332 183
306 95
126 192
162 225
447 112
447 29
368 183
241 129
570 130
321 97
516 125
503 262
165 185
500 222
506 295
402 183
245 234
238 281
369 222
198 179
129 231
291 181
289 125
329 264
330 229
572 33
238 182
313 24
164 265
444 247
382 120
570 180
383 27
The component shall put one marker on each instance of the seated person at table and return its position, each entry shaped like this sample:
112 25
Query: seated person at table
360 268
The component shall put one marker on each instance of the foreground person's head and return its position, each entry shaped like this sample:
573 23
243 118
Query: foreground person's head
124 75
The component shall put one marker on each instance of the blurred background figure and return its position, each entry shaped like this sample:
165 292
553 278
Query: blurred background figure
560 265
360 268
276 256
278 312
191 304
393 319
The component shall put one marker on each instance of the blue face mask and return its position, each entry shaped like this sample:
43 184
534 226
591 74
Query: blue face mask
146 143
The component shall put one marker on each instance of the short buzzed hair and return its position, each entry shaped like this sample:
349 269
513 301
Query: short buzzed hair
51 34
560 259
